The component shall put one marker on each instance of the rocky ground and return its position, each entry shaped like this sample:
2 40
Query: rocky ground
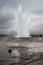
25 51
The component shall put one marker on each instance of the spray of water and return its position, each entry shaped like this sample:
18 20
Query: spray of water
23 22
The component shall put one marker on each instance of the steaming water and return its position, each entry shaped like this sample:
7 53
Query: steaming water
23 22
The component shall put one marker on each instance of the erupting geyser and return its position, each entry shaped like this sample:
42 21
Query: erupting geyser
23 21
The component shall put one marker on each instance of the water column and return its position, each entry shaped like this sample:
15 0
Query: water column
22 24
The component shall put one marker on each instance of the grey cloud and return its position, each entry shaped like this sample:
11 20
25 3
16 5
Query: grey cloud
35 6
6 16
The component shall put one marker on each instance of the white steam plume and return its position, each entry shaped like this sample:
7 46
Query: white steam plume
23 22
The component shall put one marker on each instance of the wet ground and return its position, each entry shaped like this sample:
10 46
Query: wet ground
31 56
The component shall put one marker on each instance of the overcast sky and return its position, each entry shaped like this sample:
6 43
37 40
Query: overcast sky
31 10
